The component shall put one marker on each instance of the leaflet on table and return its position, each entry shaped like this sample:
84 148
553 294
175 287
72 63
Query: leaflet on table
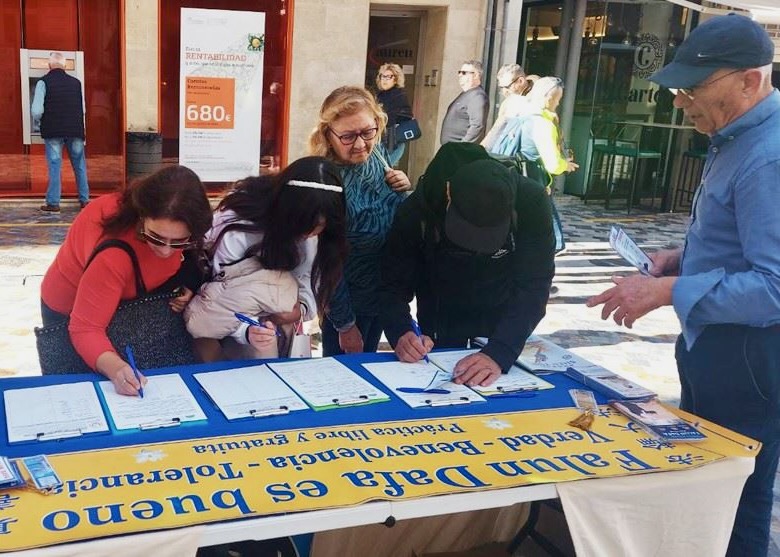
10 475
628 250
53 412
326 383
658 420
608 383
167 402
514 380
541 355
249 392
422 384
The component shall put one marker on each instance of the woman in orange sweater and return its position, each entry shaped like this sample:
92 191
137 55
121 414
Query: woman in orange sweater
158 217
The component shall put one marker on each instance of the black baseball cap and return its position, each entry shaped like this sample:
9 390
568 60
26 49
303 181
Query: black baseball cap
728 41
479 215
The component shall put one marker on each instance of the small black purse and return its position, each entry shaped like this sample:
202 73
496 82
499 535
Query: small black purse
408 130
157 334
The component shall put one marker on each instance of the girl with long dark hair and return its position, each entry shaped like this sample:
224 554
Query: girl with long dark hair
277 247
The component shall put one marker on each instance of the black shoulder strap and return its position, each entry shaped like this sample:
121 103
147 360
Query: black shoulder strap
140 287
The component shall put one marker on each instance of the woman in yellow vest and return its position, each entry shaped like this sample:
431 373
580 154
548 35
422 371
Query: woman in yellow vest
541 143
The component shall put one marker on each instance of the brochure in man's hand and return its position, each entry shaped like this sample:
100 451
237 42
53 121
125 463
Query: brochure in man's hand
626 248
658 420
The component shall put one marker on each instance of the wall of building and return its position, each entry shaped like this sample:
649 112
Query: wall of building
329 50
774 31
141 68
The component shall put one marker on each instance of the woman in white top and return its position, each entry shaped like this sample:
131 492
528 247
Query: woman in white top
276 247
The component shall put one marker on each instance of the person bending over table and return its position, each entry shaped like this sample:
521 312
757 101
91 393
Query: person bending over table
350 125
724 284
277 248
158 216
474 244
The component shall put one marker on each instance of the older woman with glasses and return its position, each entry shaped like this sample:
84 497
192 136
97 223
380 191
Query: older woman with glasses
350 125
390 83
158 217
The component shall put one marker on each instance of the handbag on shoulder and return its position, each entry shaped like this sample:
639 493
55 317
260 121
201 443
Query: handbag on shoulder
408 130
157 334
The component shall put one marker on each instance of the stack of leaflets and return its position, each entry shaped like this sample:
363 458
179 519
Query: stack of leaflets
9 474
658 420
608 383
542 356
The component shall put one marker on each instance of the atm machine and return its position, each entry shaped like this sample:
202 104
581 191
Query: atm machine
34 65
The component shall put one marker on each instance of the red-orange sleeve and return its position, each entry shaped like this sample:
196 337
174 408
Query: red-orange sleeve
107 280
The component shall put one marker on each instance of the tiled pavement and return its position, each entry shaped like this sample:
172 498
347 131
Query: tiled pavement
29 240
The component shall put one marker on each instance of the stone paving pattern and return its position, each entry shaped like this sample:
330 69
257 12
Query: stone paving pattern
645 354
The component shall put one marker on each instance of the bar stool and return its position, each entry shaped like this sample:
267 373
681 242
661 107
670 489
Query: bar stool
628 156
602 154
688 178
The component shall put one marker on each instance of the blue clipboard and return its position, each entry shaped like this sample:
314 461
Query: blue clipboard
152 424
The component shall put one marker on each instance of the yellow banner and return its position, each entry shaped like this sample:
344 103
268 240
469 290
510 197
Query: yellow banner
148 487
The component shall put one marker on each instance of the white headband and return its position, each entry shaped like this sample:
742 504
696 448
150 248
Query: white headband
315 185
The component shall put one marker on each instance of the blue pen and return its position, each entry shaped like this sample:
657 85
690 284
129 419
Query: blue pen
418 332
515 394
249 321
413 390
131 361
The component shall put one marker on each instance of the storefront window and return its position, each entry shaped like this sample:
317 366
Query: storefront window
622 44
92 28
275 65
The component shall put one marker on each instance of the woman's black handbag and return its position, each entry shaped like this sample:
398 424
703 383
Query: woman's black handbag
408 130
157 334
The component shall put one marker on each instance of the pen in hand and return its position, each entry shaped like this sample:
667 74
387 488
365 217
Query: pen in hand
416 329
249 321
131 361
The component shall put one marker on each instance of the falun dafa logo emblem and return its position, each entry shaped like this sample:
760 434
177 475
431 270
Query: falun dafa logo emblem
256 42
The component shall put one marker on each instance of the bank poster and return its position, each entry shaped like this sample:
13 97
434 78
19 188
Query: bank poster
220 92
182 483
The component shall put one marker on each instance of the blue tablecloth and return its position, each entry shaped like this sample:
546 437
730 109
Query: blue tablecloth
217 425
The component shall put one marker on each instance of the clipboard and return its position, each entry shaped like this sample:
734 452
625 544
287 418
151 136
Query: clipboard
167 402
514 382
53 413
249 393
326 383
422 384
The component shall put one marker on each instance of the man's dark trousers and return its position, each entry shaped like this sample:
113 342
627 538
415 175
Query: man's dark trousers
731 377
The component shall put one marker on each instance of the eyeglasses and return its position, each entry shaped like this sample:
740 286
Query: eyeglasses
689 92
507 86
349 138
464 72
152 238
388 76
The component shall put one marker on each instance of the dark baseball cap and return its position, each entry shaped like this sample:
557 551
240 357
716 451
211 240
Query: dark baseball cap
479 215
728 41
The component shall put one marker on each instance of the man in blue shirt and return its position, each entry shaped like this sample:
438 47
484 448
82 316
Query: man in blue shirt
58 104
724 284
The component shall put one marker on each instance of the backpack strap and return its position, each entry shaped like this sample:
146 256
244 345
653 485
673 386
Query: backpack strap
140 287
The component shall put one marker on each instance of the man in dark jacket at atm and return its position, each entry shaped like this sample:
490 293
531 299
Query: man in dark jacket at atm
58 104
474 244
